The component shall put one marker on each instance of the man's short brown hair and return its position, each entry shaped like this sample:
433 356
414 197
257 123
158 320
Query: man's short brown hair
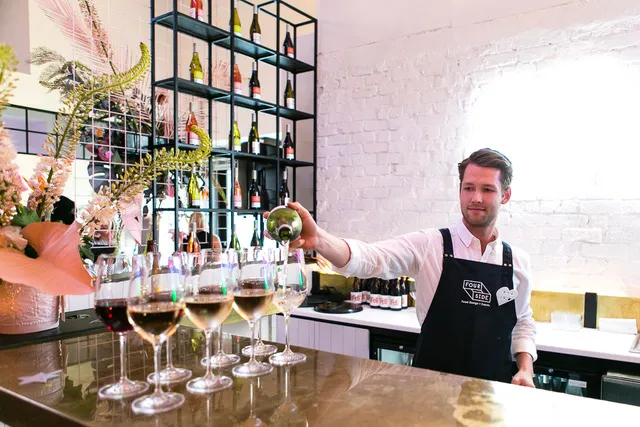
488 158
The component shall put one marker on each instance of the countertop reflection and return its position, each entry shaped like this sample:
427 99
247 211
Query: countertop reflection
327 390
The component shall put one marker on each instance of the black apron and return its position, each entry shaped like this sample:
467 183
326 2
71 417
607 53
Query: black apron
466 331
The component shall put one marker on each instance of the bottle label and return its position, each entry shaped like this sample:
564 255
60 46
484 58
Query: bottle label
289 154
365 297
255 93
385 301
257 38
375 300
255 147
237 30
237 145
405 301
395 302
192 138
356 297
196 203
197 77
290 103
237 88
290 53
255 202
286 201
237 202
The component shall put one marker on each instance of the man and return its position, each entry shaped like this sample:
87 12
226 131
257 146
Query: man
473 289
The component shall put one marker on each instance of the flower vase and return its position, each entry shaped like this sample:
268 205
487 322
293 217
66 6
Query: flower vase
24 310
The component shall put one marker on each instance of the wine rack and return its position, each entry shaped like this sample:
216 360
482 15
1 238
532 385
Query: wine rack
178 23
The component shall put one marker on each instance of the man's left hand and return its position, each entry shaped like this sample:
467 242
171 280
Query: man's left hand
523 378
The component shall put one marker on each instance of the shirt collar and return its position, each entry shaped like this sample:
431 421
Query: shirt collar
467 238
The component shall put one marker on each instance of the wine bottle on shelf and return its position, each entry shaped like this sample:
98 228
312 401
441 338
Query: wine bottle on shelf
374 298
204 194
254 191
254 83
254 136
237 191
256 240
289 94
237 78
235 243
288 47
284 190
264 194
235 25
255 32
287 145
193 244
235 140
195 67
356 293
192 137
196 10
385 302
364 290
395 297
195 197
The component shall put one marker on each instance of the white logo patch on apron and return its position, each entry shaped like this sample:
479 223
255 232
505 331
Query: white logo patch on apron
478 293
504 295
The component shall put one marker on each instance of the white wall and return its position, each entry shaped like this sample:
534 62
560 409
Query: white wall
407 92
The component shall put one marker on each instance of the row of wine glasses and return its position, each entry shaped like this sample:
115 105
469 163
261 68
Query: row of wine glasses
151 293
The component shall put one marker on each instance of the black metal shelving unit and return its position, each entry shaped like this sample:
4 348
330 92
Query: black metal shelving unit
179 23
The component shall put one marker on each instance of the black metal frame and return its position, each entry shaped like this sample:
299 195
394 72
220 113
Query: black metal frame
180 23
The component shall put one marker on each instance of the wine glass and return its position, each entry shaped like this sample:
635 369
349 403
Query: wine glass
154 309
222 359
291 286
170 374
111 293
208 304
252 298
259 348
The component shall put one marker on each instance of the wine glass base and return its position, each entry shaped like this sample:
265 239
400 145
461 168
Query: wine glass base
221 360
157 403
260 350
252 369
287 358
119 391
170 376
209 384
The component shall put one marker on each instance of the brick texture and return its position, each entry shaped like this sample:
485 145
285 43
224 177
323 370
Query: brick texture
403 105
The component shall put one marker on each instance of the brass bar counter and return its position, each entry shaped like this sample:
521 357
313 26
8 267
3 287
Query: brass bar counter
327 390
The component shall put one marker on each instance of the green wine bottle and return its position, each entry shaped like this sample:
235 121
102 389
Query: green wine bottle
235 243
255 32
284 224
254 136
289 94
235 25
256 240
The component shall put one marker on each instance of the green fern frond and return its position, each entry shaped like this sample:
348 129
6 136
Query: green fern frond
77 105
8 64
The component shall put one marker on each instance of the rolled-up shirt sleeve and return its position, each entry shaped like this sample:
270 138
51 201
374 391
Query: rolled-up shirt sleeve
386 259
524 332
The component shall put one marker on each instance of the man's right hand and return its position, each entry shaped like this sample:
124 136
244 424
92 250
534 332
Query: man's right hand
308 239
312 237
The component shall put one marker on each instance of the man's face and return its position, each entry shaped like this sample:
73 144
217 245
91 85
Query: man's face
481 195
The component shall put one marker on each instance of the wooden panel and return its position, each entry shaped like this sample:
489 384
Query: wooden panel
619 308
544 302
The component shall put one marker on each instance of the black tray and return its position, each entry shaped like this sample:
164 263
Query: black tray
338 307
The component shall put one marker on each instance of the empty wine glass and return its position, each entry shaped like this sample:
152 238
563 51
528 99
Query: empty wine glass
155 307
111 294
170 374
208 304
252 298
291 289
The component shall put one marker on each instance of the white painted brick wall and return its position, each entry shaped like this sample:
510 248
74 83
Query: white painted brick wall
394 120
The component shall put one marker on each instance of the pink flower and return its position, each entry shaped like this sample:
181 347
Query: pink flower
10 237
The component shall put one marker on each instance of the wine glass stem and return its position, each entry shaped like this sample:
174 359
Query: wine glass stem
219 339
207 337
259 331
286 334
252 359
156 364
286 383
123 356
169 354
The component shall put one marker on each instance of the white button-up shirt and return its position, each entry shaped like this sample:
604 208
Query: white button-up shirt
419 255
